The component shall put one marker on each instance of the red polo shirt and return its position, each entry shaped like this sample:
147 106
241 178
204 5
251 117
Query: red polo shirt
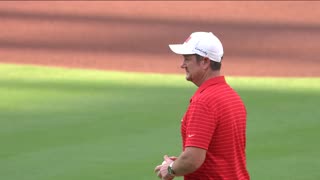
216 121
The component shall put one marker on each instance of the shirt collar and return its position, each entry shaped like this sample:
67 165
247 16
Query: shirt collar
208 83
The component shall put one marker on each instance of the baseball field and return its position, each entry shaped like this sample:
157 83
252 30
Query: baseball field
91 91
67 124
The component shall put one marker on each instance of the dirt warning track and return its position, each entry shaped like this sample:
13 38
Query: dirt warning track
260 38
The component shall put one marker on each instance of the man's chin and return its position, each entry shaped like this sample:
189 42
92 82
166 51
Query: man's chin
188 78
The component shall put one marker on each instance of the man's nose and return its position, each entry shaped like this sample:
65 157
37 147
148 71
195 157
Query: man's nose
183 65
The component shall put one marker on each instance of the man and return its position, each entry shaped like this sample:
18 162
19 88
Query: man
213 129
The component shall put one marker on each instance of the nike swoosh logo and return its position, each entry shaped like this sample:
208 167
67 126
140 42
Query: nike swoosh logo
190 135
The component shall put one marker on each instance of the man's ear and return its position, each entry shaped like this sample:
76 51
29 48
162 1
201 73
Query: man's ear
206 63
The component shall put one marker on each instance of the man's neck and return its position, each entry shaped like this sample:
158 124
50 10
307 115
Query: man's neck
206 76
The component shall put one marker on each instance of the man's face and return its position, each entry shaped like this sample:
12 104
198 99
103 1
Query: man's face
192 68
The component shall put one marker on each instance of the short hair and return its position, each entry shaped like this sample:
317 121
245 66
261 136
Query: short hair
213 65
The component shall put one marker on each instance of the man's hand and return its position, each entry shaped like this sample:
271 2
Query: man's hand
162 170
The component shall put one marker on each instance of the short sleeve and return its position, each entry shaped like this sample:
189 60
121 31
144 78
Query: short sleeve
201 125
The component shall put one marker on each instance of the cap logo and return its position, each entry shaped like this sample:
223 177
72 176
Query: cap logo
201 50
186 41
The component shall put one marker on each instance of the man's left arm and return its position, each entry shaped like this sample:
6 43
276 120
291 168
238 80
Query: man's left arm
188 161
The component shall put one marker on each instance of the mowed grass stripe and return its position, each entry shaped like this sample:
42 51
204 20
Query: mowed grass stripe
61 123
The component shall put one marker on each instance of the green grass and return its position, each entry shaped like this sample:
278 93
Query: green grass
78 124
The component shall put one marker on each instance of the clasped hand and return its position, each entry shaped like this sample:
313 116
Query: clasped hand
162 170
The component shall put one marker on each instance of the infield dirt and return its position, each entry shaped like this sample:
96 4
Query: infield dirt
260 38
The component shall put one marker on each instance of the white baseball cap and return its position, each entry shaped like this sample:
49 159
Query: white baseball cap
205 44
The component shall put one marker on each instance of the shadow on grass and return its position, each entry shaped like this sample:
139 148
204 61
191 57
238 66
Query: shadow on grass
68 124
